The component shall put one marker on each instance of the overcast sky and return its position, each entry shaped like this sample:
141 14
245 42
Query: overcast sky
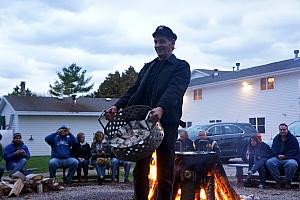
39 38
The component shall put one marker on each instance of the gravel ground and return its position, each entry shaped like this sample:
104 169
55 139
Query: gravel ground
121 191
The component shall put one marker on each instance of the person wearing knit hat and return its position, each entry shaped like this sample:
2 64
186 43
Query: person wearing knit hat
16 155
61 143
161 85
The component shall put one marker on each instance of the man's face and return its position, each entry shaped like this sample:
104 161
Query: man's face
63 132
202 135
183 135
283 130
163 46
17 139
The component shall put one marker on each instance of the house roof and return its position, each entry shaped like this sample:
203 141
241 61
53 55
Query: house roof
253 71
52 104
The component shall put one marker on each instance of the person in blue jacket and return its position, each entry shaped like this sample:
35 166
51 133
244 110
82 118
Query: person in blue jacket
259 153
286 152
61 143
16 155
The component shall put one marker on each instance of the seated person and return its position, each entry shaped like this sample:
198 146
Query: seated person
286 152
115 163
61 143
184 143
82 152
16 155
206 144
259 153
1 157
100 154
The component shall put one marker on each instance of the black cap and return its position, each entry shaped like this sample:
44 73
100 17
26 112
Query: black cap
164 31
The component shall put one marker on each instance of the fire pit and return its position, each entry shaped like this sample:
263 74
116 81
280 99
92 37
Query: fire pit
201 171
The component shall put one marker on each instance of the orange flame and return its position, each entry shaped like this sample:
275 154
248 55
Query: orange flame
221 193
152 177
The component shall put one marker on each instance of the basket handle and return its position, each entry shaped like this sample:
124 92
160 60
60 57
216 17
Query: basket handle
147 118
99 120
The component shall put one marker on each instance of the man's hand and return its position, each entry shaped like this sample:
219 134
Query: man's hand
155 114
18 152
281 157
111 113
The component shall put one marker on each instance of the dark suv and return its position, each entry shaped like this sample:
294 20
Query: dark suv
232 138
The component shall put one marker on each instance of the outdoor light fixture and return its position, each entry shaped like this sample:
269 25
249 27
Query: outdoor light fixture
245 84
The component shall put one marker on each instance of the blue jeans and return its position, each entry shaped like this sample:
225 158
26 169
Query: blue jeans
17 166
55 163
289 165
115 163
100 169
259 165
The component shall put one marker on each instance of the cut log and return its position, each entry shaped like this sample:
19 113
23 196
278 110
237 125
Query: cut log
17 188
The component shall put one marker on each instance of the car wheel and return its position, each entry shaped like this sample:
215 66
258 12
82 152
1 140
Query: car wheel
245 154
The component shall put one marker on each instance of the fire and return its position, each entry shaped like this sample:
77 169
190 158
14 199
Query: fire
152 177
222 189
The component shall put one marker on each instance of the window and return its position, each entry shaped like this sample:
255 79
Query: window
258 123
215 121
267 83
188 124
215 130
229 129
198 94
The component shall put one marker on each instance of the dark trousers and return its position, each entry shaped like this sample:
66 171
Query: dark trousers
165 168
260 166
85 167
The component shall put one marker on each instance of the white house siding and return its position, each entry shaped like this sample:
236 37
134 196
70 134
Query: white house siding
40 126
232 103
7 111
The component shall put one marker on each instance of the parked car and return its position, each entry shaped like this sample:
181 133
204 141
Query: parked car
232 138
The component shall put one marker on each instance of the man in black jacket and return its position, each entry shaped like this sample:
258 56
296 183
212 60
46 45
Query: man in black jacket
286 152
184 143
161 85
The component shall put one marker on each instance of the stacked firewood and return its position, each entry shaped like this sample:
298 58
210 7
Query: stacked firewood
134 132
18 183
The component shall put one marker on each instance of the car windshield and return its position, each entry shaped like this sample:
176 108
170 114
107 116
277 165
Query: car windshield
294 128
193 131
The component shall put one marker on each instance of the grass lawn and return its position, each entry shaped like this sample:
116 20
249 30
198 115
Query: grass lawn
40 162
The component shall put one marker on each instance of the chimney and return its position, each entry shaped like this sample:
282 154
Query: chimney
216 73
233 69
296 52
22 92
237 66
73 98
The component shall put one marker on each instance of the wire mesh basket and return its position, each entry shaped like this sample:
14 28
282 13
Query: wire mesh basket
138 150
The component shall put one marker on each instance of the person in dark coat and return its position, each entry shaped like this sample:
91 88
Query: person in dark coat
1 157
205 143
259 153
16 155
184 143
82 152
286 152
161 85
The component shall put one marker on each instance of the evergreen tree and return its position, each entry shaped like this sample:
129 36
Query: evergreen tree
71 80
115 85
17 92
